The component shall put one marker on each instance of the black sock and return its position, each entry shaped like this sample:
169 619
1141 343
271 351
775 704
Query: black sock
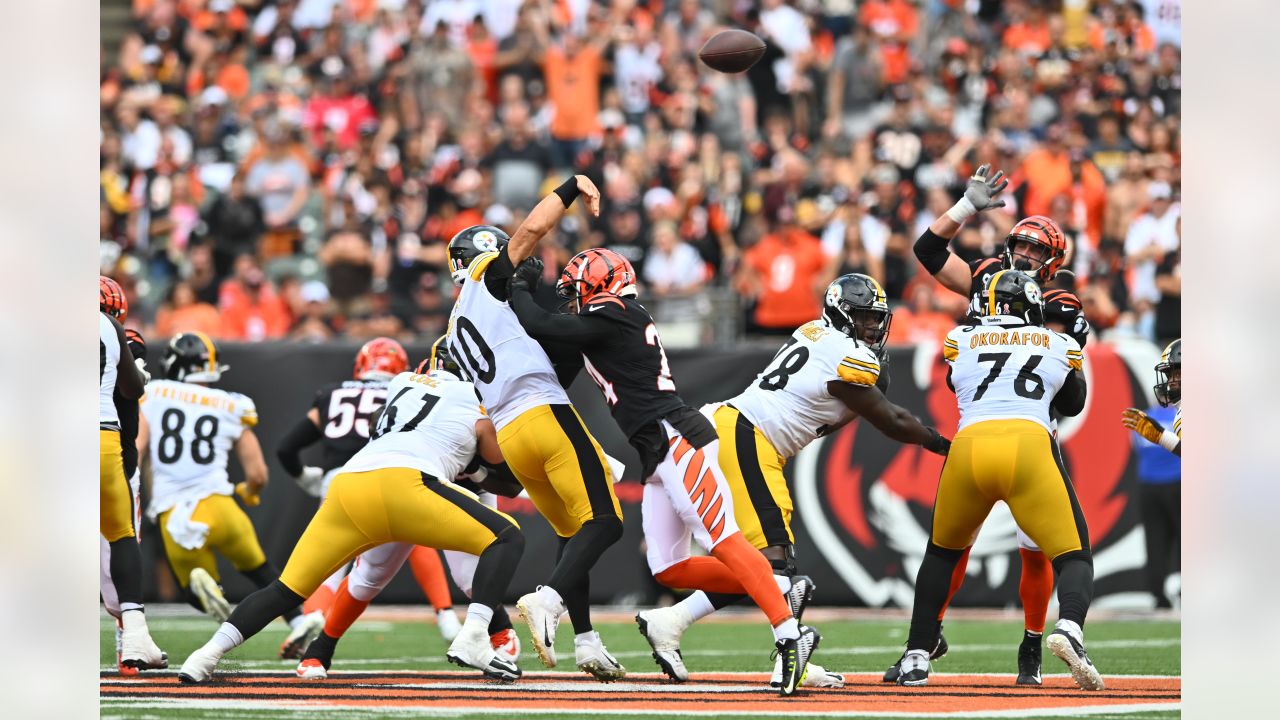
264 575
496 567
192 600
501 621
577 600
933 583
126 569
1075 585
576 557
322 649
256 611
721 601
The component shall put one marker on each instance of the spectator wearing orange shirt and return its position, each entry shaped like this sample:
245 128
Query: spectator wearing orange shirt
1125 29
786 273
250 308
1028 31
920 320
572 69
1052 169
184 312
895 22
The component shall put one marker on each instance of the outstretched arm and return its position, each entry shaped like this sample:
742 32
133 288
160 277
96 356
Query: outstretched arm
894 421
548 212
931 249
1149 428
578 330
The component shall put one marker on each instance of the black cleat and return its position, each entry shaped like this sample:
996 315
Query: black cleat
913 669
795 656
800 594
939 650
1029 659
1072 653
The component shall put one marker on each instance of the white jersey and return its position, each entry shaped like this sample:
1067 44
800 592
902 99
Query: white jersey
1177 421
191 429
789 400
108 366
510 370
1008 371
428 424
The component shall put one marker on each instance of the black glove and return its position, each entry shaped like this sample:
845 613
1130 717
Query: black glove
527 276
937 444
137 346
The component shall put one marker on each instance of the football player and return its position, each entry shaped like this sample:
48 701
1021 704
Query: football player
121 382
375 568
339 420
1168 390
399 489
188 429
1007 371
827 374
1037 246
547 446
686 495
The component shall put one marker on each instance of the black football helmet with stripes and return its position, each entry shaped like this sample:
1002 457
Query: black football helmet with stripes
1014 293
193 357
1168 387
855 304
471 243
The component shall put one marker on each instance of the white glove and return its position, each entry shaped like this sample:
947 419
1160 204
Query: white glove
311 480
476 477
142 366
616 467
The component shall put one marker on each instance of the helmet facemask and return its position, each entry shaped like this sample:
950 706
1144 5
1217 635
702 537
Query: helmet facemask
1168 387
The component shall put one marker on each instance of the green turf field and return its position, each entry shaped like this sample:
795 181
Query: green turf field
1132 647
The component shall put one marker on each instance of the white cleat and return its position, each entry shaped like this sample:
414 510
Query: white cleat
816 677
312 669
300 636
471 648
1071 652
506 644
542 619
595 660
209 594
199 665
137 650
663 628
448 624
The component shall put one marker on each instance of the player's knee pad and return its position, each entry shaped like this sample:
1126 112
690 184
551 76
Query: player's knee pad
512 538
606 529
263 575
1084 556
782 558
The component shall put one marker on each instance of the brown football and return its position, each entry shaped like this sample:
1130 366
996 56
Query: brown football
732 51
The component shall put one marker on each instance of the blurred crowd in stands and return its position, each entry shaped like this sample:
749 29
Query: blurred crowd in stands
295 168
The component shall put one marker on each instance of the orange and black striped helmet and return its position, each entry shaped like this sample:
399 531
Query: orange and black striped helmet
1037 230
111 299
594 272
381 358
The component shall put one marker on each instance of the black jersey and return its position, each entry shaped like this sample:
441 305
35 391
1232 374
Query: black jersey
345 408
1060 306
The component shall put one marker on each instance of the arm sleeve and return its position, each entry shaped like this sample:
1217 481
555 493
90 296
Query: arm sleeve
497 273
289 452
931 250
1070 398
577 330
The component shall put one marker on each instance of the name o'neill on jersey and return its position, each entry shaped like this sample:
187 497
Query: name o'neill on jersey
789 400
428 424
1006 373
191 431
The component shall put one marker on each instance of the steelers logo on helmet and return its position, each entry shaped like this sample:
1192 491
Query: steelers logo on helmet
1033 293
485 240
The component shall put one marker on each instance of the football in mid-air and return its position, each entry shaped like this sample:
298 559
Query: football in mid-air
732 51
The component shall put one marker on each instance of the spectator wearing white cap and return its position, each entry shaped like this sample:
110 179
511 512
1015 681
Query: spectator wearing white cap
1151 236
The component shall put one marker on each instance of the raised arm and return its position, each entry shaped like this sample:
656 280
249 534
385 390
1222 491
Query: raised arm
931 249
548 212
894 421
577 330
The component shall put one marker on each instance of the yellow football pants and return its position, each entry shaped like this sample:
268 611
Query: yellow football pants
366 509
761 499
1014 461
231 533
115 497
561 467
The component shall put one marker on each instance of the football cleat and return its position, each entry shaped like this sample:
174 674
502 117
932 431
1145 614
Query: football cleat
312 669
817 677
124 671
448 625
595 660
1029 659
137 650
794 655
662 628
300 636
207 591
914 669
939 651
800 594
471 648
1071 652
542 619
506 644
199 665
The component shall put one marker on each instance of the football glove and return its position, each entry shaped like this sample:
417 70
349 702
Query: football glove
527 275
1151 430
979 194
248 494
311 480
138 349
937 444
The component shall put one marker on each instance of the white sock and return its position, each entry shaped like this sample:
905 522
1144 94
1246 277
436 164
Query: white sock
294 622
1071 629
550 596
126 607
133 619
788 629
226 639
587 638
784 583
698 605
478 613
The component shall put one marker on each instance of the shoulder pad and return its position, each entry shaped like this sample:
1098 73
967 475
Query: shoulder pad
245 408
951 344
980 266
858 366
480 264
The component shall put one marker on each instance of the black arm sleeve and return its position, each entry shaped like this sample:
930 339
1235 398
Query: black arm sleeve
1070 398
565 358
498 273
931 250
576 330
500 480
289 452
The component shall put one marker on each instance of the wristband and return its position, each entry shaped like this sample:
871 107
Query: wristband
568 191
1169 440
962 210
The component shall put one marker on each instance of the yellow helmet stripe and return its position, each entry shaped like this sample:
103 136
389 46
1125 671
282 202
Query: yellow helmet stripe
213 351
881 297
431 363
991 293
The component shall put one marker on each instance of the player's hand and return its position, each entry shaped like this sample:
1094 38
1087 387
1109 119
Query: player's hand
527 275
137 346
249 495
591 192
937 444
1143 424
982 190
311 480
1080 330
